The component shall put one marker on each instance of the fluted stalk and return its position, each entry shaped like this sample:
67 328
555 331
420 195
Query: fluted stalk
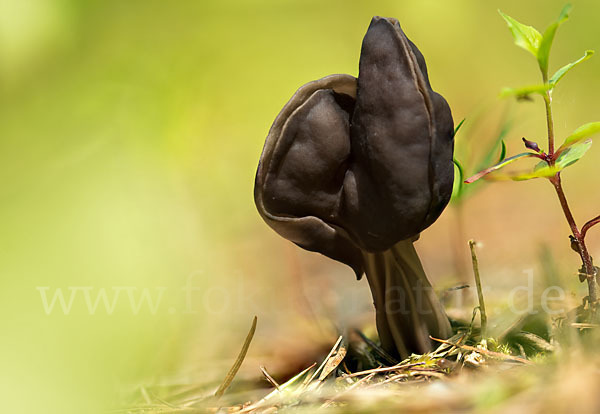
407 308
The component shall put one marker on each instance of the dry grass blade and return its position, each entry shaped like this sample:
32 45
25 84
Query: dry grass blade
238 362
269 378
427 373
152 400
145 395
491 354
412 373
282 387
391 379
584 325
347 390
166 403
308 377
446 349
333 361
384 369
312 377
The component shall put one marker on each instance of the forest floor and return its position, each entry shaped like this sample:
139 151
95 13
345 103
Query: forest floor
539 364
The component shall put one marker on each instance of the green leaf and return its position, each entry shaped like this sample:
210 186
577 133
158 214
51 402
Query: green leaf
563 71
526 37
543 54
540 165
458 126
572 154
502 151
524 91
580 134
543 170
458 179
504 163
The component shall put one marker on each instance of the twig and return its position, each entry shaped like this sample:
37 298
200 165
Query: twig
485 352
482 312
238 362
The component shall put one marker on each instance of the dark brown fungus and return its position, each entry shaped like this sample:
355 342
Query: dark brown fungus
355 169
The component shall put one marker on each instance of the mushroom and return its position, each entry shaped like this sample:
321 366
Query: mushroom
355 169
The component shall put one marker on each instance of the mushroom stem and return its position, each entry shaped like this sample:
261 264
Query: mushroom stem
406 306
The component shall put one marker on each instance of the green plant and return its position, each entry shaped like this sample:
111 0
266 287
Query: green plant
468 162
554 160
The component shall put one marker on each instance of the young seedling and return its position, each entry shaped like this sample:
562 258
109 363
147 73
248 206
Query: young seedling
554 160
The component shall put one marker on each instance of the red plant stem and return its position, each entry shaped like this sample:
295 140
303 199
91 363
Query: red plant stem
579 237
583 252
588 226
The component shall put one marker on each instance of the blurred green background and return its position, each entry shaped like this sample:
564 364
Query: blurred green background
129 137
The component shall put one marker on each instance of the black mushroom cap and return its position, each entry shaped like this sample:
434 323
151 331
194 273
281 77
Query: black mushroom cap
353 165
